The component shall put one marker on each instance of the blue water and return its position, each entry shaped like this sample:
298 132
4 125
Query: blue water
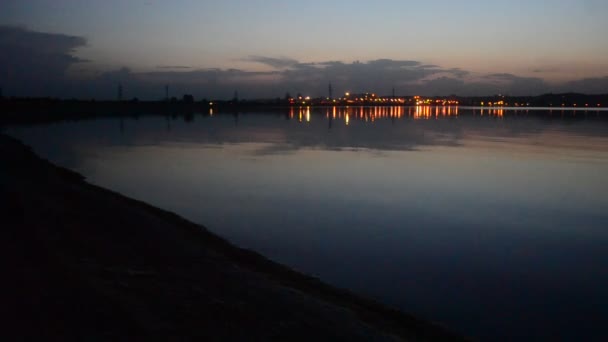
493 223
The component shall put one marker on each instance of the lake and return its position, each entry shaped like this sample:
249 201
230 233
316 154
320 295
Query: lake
492 222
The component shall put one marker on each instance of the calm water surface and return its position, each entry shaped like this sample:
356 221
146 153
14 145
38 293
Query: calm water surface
495 225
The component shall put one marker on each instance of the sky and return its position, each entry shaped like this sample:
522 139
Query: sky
265 48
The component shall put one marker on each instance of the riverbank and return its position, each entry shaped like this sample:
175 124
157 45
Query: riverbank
86 263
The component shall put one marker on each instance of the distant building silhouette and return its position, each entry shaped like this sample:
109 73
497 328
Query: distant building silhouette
188 98
236 96
119 91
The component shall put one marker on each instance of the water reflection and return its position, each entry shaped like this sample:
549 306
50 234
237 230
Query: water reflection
371 114
396 128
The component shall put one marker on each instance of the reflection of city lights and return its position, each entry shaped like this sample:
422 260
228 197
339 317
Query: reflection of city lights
211 111
429 108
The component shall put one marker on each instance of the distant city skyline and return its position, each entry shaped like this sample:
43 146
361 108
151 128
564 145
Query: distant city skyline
263 49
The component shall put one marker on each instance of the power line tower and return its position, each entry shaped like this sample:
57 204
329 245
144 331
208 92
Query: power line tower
166 92
330 91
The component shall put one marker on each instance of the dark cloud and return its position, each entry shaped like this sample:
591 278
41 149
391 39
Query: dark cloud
173 67
392 64
504 83
35 63
45 43
460 83
597 85
545 70
438 86
372 76
457 72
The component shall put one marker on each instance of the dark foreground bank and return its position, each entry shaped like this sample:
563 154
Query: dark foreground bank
85 263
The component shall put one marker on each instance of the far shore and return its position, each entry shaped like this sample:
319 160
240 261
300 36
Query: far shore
86 263
37 111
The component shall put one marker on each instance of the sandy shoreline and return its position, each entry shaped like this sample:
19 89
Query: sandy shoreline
87 263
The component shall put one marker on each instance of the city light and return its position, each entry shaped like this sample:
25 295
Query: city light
373 99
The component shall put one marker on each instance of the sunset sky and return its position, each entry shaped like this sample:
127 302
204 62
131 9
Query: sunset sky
265 48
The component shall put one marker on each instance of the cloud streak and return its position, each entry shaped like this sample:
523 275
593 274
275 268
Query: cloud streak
277 63
173 67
